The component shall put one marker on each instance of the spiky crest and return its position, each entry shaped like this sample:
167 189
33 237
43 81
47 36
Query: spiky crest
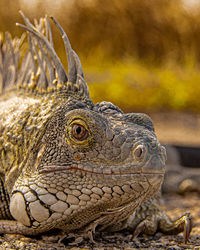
40 66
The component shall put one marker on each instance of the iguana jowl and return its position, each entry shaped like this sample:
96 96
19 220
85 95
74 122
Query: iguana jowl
65 162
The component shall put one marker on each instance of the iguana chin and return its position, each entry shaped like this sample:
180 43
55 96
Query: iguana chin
67 163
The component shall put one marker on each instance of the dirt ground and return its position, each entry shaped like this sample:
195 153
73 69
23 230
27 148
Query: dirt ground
177 128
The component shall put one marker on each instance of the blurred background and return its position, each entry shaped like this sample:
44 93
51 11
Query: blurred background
143 56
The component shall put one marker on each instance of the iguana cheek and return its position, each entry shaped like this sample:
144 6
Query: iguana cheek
38 212
19 212
18 209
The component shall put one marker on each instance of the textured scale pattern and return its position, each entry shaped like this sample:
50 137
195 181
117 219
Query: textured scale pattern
67 163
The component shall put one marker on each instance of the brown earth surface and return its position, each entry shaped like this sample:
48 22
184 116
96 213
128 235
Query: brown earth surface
177 128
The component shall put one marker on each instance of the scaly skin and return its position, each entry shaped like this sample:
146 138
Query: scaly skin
67 163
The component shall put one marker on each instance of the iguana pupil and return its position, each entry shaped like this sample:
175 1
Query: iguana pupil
79 132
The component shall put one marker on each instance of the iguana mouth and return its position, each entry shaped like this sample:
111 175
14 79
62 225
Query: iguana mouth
109 171
155 165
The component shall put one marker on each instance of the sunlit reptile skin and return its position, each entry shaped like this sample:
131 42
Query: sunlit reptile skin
52 177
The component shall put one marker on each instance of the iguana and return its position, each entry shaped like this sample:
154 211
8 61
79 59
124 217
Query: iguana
67 163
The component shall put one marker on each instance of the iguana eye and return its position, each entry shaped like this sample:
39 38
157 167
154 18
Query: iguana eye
79 132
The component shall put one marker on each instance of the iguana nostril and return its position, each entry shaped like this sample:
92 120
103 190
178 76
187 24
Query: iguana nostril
139 152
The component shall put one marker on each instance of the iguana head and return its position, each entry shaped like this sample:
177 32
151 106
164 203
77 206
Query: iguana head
91 161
